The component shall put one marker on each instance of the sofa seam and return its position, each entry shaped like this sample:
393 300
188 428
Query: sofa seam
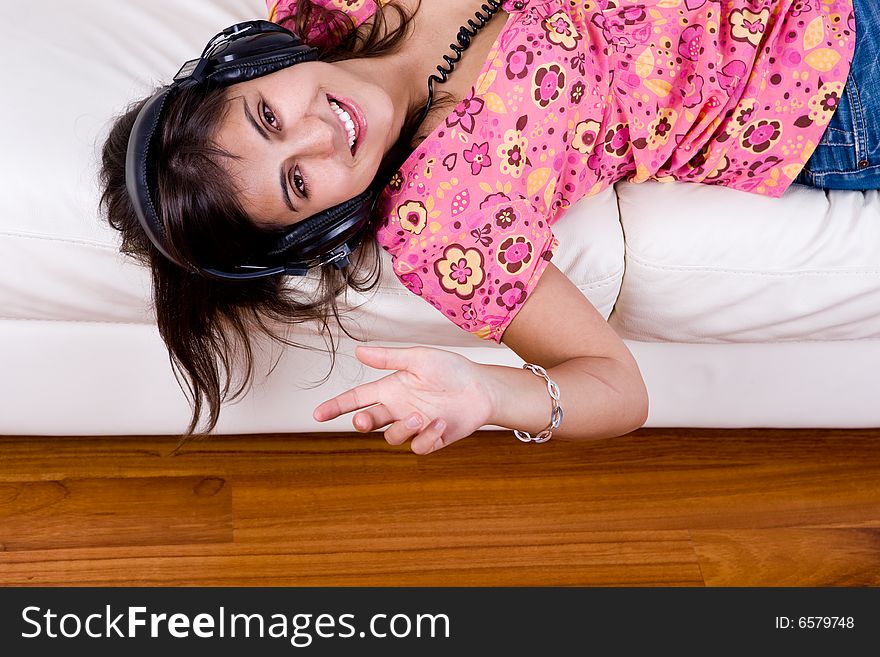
65 240
634 339
75 321
772 343
752 272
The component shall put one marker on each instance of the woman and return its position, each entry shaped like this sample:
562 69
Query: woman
554 101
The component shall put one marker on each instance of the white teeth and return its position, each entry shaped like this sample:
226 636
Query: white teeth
346 121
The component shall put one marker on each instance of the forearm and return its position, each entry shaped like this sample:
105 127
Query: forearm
600 397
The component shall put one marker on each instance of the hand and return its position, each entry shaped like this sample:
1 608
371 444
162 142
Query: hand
430 385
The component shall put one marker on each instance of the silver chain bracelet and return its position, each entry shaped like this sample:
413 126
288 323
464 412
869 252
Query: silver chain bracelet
555 414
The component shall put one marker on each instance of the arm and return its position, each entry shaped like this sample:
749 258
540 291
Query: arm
601 388
602 392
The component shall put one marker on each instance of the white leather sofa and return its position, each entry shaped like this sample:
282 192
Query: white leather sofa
742 311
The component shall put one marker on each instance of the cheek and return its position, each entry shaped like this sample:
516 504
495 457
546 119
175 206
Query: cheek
328 186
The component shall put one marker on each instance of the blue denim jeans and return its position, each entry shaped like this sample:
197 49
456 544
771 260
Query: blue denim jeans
848 155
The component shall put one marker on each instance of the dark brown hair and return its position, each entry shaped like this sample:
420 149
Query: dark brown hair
209 326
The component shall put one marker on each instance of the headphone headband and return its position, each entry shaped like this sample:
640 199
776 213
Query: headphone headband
242 52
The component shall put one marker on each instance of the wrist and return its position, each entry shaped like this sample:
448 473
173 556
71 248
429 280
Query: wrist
518 399
492 392
488 393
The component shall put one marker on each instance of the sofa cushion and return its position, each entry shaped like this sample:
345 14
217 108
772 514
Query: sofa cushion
709 264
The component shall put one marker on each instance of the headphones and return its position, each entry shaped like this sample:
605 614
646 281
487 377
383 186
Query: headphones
239 53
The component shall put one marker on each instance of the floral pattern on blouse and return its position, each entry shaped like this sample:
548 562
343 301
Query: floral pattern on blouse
576 95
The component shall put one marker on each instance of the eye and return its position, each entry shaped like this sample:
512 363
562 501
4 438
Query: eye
269 117
305 188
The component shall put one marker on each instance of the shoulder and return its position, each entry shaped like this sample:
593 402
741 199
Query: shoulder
475 265
357 11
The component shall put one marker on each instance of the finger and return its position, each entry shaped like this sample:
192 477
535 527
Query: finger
431 439
402 430
350 400
388 358
372 418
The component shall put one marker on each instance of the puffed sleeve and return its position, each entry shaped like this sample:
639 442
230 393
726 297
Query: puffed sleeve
478 268
320 36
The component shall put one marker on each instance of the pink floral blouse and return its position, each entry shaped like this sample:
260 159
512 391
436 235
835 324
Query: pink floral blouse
578 94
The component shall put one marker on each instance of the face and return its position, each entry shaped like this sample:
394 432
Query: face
295 158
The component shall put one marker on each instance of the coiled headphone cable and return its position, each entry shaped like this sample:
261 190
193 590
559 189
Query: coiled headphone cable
464 37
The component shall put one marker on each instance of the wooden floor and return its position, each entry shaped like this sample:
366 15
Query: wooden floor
657 507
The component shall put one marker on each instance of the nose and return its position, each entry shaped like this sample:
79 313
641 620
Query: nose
317 136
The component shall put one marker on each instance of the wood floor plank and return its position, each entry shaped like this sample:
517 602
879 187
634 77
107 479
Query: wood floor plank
573 559
790 556
650 508
67 513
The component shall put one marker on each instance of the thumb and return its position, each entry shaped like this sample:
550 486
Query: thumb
385 358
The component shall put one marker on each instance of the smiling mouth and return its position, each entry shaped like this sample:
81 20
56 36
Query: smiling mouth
349 124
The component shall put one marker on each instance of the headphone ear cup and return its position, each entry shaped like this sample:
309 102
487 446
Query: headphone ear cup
325 230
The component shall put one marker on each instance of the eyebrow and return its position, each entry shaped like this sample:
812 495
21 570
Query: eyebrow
282 176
